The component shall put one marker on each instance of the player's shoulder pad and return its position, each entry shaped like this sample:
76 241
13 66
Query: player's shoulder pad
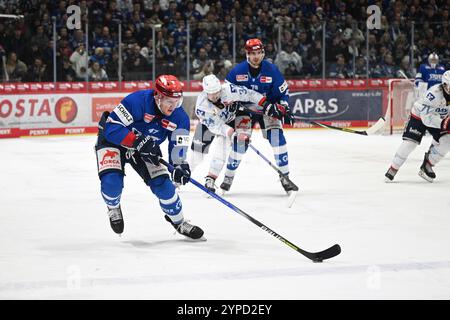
180 118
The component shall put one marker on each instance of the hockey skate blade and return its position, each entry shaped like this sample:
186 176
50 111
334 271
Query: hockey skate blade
292 198
425 177
187 239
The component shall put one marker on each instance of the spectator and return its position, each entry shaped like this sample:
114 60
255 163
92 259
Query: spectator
112 66
105 42
40 38
98 57
202 65
79 60
15 68
202 7
360 68
97 73
37 72
289 59
65 72
135 64
339 69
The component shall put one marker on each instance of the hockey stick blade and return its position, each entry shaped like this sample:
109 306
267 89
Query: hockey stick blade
377 126
323 255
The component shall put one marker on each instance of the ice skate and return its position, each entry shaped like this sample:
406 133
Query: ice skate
186 229
426 169
226 184
209 184
116 219
390 174
287 184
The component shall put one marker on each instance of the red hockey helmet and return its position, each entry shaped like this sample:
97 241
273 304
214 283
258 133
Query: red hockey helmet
169 93
255 52
253 45
169 86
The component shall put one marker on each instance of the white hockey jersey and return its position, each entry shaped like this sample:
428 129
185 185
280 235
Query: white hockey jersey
432 107
216 119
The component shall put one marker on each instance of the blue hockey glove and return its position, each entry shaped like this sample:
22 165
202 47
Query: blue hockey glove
181 173
147 149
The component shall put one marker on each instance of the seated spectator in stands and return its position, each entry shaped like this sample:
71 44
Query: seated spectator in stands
128 38
65 71
202 7
105 41
288 58
387 67
269 52
79 60
360 68
97 73
16 43
98 56
169 52
147 52
405 69
223 67
202 65
313 68
136 67
38 71
112 66
15 68
77 37
339 69
40 38
191 12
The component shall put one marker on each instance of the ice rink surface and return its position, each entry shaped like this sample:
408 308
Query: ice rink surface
56 242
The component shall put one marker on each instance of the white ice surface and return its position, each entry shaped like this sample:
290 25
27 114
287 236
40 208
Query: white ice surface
56 242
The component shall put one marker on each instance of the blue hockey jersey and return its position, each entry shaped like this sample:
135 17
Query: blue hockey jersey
138 113
270 82
429 75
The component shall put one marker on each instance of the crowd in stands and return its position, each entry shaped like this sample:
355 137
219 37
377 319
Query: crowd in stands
294 33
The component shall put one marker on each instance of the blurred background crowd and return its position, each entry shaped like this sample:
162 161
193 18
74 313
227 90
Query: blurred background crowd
304 38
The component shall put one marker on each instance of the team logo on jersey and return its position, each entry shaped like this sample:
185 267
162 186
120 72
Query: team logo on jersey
241 77
166 124
265 79
108 158
148 117
182 140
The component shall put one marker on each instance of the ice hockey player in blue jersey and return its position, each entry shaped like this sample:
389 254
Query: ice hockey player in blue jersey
132 133
429 74
264 77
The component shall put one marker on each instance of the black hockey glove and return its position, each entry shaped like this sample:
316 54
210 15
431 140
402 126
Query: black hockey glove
234 107
274 110
288 119
445 125
147 149
181 173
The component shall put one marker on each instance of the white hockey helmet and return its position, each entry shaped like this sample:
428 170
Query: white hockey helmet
446 81
433 59
211 84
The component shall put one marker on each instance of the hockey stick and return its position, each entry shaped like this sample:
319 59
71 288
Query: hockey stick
314 256
373 129
294 193
376 127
